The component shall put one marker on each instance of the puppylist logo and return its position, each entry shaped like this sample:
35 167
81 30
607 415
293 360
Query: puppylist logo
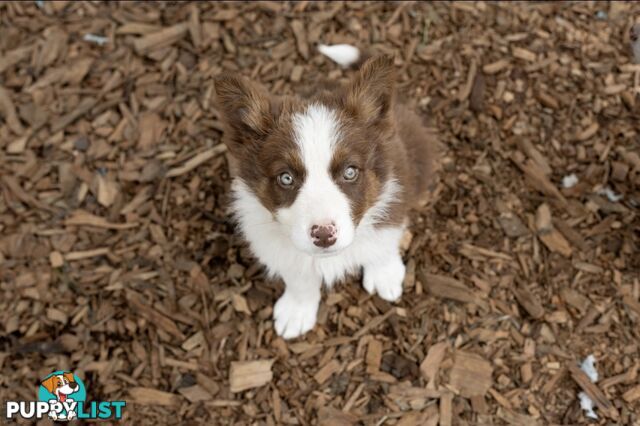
62 396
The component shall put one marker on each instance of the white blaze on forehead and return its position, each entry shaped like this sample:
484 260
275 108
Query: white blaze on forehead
316 132
319 201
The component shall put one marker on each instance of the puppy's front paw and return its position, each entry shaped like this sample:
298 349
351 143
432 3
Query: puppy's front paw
294 317
385 279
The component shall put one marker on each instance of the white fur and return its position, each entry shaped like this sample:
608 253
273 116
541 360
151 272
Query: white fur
282 242
342 54
319 201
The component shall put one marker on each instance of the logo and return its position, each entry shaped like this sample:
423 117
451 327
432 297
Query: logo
62 396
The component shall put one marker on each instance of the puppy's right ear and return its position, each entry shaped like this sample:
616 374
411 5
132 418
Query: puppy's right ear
245 110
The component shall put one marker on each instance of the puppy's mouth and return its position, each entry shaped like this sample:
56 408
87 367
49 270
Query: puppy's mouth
327 253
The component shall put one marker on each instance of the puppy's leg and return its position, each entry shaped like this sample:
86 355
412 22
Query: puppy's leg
296 310
384 274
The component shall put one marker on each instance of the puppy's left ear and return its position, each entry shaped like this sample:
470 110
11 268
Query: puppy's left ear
69 377
370 95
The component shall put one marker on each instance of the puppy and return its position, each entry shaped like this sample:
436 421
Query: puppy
322 184
61 385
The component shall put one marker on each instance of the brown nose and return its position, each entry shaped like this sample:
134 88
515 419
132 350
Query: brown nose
324 235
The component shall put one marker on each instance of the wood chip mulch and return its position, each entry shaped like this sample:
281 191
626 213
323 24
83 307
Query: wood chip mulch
118 260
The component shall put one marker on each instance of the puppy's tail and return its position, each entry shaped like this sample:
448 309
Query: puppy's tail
345 55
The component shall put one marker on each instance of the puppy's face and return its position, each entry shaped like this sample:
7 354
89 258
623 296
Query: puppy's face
319 165
61 385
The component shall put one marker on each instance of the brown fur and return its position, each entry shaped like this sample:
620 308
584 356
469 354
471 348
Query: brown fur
381 138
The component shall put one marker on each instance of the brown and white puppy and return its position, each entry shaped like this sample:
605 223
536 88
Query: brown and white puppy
62 386
322 184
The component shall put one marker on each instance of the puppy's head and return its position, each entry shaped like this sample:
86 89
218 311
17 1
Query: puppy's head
319 165
61 385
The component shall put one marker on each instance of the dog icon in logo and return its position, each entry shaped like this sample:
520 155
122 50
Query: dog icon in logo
62 385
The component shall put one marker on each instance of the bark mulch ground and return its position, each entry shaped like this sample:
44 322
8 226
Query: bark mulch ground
118 260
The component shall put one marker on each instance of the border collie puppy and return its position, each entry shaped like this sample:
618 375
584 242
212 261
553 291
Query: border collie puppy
322 184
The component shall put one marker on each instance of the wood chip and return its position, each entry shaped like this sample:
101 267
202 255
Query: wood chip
471 76
329 416
374 356
552 384
588 132
529 302
553 239
151 128
431 364
632 304
428 417
537 178
575 299
108 190
57 315
524 54
195 393
571 234
496 67
450 288
8 112
240 304
150 396
86 254
632 394
12 184
516 419
513 226
197 160
479 404
140 307
163 38
245 375
628 376
446 409
547 100
471 375
56 259
14 56
327 371
83 107
374 323
301 38
411 397
83 218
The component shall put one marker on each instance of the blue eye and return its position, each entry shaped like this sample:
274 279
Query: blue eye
350 173
285 180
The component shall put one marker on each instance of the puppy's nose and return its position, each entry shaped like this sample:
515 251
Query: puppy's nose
324 235
73 385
